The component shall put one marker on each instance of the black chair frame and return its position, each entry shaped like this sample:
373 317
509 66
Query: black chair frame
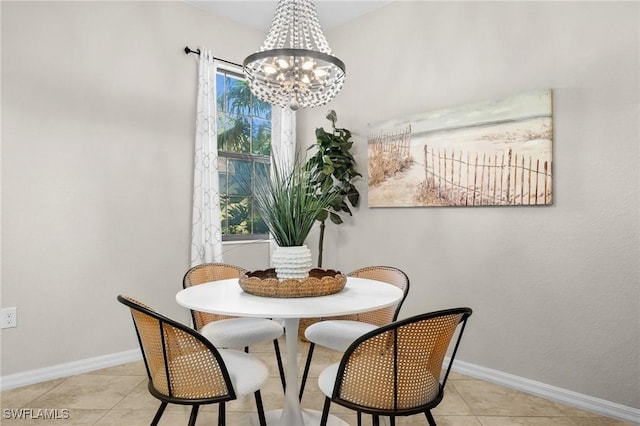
196 402
376 413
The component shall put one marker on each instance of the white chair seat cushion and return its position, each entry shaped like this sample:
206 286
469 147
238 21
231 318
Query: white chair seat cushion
337 334
327 379
241 332
247 373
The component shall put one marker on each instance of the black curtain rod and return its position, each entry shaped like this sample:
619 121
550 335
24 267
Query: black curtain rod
188 50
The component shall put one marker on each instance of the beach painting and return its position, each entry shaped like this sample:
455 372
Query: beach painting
491 153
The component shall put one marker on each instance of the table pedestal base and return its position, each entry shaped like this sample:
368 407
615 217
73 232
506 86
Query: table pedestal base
310 417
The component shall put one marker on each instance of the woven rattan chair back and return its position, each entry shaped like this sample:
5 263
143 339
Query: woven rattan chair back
181 364
208 272
396 369
387 274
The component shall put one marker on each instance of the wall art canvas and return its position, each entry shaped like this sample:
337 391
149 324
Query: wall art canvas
492 153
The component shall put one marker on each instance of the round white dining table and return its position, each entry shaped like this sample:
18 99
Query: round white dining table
226 297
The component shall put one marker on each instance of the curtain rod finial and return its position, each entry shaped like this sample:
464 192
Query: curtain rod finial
188 50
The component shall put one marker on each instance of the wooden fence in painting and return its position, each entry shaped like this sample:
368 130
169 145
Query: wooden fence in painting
393 144
476 179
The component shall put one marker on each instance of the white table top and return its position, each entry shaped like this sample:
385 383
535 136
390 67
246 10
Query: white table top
226 297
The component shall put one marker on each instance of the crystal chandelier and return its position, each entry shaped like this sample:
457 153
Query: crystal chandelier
295 66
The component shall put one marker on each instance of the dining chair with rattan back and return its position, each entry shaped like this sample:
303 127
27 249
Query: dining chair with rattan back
338 333
396 370
227 331
185 368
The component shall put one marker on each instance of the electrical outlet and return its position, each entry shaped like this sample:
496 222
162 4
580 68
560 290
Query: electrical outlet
9 317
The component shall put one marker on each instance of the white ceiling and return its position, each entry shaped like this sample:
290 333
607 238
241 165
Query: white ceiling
259 14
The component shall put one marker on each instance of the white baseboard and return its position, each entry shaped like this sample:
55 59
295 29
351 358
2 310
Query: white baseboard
564 396
40 375
575 399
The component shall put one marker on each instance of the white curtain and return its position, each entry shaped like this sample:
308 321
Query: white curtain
283 144
206 235
283 135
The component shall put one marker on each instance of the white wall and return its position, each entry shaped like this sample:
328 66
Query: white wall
97 130
98 110
555 290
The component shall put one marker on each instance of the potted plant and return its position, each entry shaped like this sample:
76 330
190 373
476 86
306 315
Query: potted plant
289 203
333 169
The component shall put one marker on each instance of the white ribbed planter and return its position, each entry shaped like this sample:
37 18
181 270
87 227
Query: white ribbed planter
292 262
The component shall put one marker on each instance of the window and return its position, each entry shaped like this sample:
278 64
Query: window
244 150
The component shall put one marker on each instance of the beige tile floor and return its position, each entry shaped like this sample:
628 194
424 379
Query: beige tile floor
118 396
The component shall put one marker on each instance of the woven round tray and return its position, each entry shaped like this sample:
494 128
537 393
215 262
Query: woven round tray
320 282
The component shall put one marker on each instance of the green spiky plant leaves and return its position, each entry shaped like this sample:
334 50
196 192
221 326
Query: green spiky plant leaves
289 202
333 170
